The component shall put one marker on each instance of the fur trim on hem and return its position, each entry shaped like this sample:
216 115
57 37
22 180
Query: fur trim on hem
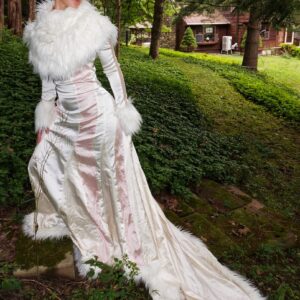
49 226
161 284
45 113
81 266
244 283
129 117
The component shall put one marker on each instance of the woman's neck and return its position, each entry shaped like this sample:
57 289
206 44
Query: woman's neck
62 5
58 5
56 8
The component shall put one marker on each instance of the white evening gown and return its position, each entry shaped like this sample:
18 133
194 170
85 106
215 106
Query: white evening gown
89 185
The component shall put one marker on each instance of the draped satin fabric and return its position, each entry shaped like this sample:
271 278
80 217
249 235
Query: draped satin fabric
91 187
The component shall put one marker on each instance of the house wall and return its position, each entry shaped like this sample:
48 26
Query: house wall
237 26
236 29
220 30
275 39
297 38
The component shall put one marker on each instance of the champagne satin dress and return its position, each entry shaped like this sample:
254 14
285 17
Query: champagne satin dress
89 185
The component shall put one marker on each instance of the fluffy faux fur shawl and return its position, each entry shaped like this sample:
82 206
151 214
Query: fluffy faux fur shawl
61 41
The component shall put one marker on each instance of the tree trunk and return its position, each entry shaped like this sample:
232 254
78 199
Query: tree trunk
118 21
156 27
1 14
250 58
15 16
32 6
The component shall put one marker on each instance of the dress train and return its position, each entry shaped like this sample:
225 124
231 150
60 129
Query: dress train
174 264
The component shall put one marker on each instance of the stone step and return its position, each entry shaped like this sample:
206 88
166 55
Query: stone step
65 268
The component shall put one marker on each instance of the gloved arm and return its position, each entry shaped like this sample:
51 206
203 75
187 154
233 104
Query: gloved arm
129 117
45 109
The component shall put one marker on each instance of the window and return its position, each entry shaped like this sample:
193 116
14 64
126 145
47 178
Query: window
289 36
208 33
265 31
209 29
199 37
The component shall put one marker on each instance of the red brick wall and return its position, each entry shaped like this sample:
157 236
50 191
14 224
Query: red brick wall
236 29
237 26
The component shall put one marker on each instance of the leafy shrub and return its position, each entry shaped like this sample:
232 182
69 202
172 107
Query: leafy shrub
19 93
188 41
116 285
291 49
132 39
10 286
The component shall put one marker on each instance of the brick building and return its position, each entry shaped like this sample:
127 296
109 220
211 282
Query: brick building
209 30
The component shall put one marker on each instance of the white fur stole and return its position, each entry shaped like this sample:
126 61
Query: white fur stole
62 41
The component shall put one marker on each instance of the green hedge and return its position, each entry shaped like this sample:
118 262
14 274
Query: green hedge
19 93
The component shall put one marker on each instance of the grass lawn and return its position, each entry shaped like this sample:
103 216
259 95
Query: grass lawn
232 115
284 70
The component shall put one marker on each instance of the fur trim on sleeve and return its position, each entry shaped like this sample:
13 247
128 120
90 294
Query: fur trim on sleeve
129 117
45 113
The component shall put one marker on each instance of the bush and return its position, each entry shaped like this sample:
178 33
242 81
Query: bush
19 93
291 49
188 41
116 284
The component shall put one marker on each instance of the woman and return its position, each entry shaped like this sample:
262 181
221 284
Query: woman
85 172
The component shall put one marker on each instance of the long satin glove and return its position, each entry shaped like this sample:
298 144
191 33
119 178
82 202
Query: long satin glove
129 117
45 109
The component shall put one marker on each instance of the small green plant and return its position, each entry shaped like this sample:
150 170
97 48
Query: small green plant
115 270
188 41
8 283
269 251
116 284
290 50
132 38
284 292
